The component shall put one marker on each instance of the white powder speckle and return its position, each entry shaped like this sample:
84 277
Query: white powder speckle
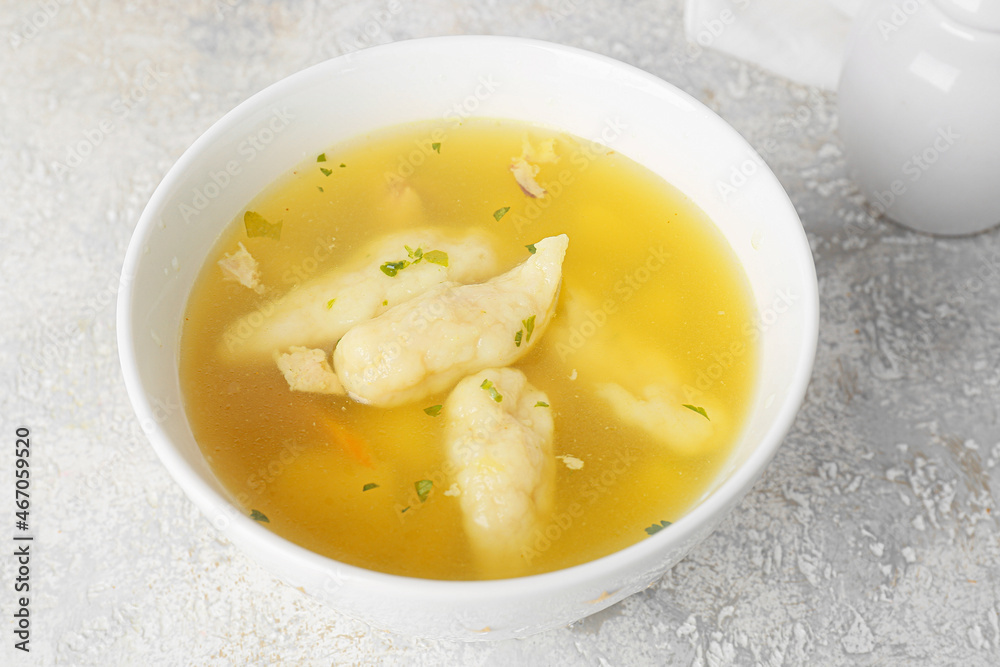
571 462
859 638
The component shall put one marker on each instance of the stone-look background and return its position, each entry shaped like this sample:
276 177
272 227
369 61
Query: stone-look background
868 541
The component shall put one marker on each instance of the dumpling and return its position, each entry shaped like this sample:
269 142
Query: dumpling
660 410
429 343
636 378
320 311
499 440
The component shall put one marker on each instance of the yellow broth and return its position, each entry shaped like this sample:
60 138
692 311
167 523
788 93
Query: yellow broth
662 288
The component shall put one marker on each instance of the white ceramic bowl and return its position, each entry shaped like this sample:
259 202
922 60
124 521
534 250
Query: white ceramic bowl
585 94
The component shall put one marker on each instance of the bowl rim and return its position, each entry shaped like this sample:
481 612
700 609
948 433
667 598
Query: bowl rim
246 529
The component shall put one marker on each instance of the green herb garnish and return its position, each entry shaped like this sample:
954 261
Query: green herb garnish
699 410
541 404
517 337
500 212
342 165
257 225
494 394
415 255
423 488
369 486
434 410
657 527
439 257
320 188
403 511
257 515
531 248
529 327
329 304
436 146
321 157
326 172
392 268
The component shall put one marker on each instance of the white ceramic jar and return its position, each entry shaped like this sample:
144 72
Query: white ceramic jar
919 101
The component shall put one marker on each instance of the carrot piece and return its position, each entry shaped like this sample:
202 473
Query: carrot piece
348 441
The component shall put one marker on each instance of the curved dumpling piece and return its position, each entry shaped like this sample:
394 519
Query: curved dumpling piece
429 343
637 379
499 439
318 312
661 412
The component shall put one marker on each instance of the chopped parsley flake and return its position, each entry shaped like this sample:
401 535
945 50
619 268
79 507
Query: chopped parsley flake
403 511
657 527
257 225
517 337
329 304
436 146
529 327
321 157
392 268
342 165
369 486
433 256
423 488
415 255
541 404
500 212
699 410
439 257
488 387
257 515
434 410
326 172
531 248
320 188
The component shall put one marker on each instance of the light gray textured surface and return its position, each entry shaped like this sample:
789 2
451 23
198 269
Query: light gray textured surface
869 540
